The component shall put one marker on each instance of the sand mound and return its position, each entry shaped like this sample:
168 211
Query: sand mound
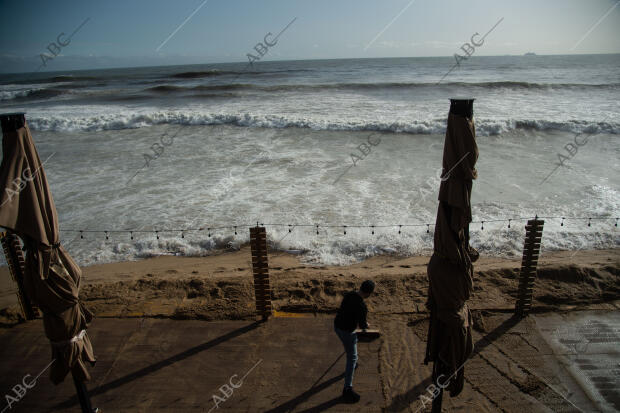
221 287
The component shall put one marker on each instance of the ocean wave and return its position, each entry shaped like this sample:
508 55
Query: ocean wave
378 86
202 88
56 79
216 72
13 94
164 89
342 249
31 94
161 90
82 90
195 75
38 93
70 78
528 85
484 127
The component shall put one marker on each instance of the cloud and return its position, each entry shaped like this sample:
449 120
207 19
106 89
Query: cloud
440 44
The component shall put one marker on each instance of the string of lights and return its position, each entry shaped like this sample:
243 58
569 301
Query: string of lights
344 227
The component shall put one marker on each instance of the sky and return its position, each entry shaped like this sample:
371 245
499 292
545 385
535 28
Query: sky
130 33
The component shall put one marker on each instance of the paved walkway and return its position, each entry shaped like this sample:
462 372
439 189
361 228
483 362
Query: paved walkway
296 365
160 365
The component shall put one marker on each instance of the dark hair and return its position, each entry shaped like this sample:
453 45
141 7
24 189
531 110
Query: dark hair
368 286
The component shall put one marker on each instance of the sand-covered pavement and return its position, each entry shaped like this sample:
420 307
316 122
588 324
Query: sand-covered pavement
289 365
171 331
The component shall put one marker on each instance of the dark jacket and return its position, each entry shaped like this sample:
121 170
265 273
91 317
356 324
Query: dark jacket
352 312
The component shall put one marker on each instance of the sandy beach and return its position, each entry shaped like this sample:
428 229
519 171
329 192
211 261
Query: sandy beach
220 287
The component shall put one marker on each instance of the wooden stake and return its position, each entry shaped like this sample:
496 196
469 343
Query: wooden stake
15 259
531 252
260 267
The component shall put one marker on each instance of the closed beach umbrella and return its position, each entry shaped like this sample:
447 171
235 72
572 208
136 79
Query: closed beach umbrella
52 278
450 270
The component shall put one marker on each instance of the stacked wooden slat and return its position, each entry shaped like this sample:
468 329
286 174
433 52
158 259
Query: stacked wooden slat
260 267
15 259
531 251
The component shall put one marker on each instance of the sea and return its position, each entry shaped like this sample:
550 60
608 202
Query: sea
339 159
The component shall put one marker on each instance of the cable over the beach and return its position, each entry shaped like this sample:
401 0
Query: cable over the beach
587 220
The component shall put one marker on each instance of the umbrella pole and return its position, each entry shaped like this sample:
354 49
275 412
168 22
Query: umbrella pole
437 401
82 394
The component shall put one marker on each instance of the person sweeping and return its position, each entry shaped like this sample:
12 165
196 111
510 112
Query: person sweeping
351 314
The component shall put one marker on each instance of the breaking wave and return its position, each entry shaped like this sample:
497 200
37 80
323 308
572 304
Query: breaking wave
484 126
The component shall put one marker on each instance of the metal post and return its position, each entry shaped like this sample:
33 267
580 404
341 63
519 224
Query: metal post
438 400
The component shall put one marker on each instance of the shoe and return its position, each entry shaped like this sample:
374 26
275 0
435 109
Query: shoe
349 396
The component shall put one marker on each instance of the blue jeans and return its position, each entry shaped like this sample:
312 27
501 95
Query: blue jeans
349 341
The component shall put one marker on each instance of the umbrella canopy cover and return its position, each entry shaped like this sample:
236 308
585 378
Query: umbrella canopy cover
52 278
450 270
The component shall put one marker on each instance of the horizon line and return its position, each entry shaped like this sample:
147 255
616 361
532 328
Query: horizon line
308 60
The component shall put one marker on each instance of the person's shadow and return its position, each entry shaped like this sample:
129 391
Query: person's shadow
314 389
323 406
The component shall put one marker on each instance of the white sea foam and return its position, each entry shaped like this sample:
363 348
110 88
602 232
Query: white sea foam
484 126
214 176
